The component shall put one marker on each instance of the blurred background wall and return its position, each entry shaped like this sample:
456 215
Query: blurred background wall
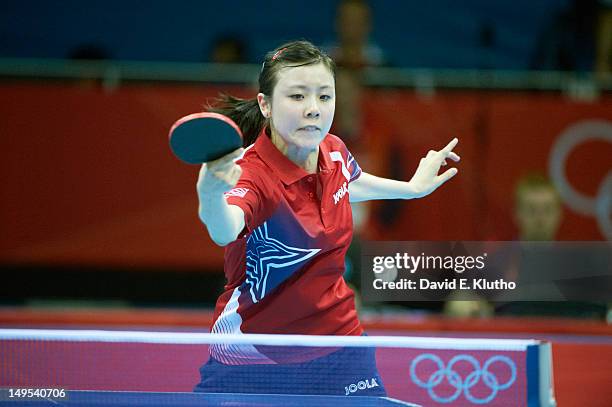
438 34
93 206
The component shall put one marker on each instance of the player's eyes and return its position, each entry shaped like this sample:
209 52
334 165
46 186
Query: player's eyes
325 97
297 96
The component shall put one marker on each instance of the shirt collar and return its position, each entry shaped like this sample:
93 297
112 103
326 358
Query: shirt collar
284 168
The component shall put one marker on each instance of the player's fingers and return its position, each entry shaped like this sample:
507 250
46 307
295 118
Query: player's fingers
236 153
446 175
232 178
231 157
236 173
453 156
227 159
449 147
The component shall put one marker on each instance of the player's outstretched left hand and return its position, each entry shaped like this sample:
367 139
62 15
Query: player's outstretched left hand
426 179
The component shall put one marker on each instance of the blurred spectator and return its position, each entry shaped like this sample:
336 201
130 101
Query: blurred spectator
568 42
537 208
487 41
475 307
354 48
352 52
604 41
348 121
95 77
538 214
228 49
89 52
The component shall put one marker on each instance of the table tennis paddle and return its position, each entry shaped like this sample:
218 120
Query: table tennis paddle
202 137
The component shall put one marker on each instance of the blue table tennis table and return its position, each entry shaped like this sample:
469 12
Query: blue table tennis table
133 399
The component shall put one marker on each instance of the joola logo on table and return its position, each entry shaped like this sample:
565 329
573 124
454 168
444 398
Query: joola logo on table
361 385
343 190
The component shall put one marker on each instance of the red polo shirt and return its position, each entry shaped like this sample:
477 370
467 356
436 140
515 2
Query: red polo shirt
284 272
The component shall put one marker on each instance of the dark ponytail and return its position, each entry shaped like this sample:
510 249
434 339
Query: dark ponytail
245 112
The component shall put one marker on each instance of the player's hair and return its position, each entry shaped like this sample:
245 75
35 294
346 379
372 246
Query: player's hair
245 112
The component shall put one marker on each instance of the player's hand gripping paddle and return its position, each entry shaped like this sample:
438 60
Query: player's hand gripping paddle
202 137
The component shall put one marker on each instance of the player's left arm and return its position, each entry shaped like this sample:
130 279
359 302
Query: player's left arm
424 181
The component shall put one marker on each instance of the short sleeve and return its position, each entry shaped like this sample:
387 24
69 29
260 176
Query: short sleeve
352 165
340 152
249 195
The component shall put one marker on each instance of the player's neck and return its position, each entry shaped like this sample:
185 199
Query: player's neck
307 159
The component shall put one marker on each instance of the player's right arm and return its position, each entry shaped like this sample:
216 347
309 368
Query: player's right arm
223 221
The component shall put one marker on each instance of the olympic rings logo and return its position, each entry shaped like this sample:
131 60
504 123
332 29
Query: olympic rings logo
463 385
599 206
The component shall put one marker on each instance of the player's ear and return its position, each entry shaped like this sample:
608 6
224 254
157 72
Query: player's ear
264 105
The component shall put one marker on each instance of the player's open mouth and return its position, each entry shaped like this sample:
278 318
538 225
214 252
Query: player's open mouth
310 128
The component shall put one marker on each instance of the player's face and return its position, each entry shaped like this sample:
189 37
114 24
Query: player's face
303 104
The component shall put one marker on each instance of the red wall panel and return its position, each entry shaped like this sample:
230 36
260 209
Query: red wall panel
87 176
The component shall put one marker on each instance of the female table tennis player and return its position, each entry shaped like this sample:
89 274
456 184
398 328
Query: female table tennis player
280 206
